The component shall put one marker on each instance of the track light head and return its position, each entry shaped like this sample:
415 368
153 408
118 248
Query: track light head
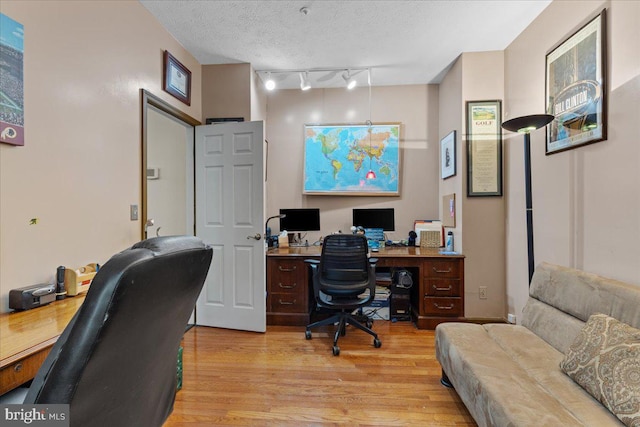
269 84
349 80
304 81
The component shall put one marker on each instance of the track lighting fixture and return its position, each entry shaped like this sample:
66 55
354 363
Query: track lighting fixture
304 81
315 76
349 80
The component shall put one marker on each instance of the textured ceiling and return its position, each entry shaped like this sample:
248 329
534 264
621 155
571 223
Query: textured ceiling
401 42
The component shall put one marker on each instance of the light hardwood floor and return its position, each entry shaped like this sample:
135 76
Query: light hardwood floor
281 379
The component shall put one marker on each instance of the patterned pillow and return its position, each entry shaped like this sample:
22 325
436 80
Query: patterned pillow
605 360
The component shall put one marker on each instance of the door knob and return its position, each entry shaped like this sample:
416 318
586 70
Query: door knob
257 236
148 224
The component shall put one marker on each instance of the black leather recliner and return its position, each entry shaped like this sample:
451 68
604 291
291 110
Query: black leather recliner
115 363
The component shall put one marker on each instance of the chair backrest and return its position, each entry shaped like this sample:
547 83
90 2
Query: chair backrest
115 363
344 262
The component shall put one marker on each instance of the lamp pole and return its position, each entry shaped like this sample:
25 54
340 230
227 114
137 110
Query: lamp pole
526 124
529 202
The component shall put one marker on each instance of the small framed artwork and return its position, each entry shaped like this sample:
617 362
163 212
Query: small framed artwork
176 79
484 148
576 88
448 155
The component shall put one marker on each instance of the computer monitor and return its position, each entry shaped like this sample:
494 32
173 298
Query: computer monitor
297 220
374 218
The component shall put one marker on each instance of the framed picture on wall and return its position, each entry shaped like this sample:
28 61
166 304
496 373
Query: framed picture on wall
576 88
484 148
448 155
352 159
176 79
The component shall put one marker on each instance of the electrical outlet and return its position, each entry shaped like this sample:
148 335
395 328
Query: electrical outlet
511 318
482 292
133 210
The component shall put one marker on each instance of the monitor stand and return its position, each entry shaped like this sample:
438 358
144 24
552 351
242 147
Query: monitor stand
295 241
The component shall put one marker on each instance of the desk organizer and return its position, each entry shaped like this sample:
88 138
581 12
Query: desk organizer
78 281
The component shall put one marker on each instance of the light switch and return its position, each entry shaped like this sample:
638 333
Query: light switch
134 212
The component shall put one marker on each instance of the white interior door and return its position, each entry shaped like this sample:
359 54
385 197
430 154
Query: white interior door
230 217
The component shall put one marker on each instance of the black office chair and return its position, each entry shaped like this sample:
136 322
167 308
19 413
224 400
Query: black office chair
115 363
344 279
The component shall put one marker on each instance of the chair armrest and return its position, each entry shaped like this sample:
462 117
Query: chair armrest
314 264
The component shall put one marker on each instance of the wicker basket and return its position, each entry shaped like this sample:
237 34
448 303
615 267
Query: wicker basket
430 239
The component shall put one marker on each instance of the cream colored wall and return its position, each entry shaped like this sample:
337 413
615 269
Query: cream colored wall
79 170
226 91
451 118
586 201
483 217
479 231
416 107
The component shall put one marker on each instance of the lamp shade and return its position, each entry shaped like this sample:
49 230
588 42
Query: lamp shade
526 124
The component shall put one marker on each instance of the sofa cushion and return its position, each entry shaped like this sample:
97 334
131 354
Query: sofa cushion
541 362
543 319
605 360
582 294
494 388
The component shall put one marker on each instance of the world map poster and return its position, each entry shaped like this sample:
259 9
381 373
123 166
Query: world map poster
339 159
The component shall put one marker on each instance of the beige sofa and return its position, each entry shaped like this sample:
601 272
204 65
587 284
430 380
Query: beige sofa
510 375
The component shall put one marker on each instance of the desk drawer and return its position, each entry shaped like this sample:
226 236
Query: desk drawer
442 268
285 275
442 287
436 306
287 303
21 371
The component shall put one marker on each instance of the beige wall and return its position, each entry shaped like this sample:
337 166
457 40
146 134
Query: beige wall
586 201
80 167
227 91
416 107
479 231
483 217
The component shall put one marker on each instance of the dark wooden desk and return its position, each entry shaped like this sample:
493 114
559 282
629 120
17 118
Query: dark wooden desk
437 294
27 336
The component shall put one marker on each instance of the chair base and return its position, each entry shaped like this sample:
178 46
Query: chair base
342 319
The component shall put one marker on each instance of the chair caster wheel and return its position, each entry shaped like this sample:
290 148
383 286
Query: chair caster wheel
377 343
307 335
336 350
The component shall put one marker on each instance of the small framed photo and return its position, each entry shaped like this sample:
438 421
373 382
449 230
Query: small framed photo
176 79
448 155
576 89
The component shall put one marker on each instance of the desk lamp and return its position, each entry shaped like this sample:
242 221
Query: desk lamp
267 230
525 125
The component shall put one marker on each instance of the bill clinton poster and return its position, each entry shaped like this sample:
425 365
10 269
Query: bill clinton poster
575 88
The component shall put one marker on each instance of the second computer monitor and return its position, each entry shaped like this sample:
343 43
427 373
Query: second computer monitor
374 218
297 220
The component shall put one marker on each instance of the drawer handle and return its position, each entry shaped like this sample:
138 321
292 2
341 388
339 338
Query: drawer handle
287 270
435 288
18 367
442 271
441 307
287 286
286 302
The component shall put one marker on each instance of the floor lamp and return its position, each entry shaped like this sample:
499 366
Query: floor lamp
527 124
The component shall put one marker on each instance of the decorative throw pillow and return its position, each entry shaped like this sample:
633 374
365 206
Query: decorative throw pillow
605 360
